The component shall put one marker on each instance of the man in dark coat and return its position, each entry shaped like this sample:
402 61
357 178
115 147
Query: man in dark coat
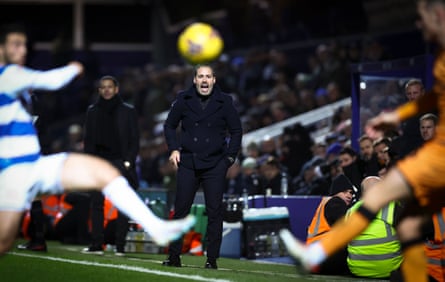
111 132
210 140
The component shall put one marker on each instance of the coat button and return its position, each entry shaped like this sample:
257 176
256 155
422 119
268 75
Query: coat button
196 124
209 124
207 140
195 139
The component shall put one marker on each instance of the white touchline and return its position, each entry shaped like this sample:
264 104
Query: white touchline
122 266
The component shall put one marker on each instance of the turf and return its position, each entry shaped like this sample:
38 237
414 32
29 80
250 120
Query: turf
66 263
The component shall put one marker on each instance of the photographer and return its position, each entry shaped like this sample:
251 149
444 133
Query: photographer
315 178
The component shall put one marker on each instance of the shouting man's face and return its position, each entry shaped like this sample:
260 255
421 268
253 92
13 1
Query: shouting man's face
204 80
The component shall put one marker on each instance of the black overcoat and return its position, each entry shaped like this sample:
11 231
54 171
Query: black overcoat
206 135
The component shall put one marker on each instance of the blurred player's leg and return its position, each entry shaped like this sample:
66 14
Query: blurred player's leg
414 265
10 221
85 172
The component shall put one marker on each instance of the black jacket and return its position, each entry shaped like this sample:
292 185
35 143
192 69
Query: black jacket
207 135
335 208
128 132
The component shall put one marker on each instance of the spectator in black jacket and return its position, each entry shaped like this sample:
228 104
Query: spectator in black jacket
111 132
411 138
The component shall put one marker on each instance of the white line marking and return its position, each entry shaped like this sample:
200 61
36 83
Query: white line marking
123 267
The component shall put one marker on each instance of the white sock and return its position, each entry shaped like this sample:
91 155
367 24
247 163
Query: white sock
315 254
126 200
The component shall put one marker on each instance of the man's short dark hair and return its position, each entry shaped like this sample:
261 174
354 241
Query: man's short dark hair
348 151
6 29
196 67
365 137
110 77
383 140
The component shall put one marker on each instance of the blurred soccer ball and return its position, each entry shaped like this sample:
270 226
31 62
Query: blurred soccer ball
200 43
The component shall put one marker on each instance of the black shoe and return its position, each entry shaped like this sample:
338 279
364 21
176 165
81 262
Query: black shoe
92 250
33 246
120 252
172 261
211 264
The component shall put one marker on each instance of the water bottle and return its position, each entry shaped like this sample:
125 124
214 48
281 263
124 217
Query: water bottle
245 199
284 184
130 246
275 244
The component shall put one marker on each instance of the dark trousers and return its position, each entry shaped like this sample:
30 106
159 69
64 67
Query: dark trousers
212 180
116 231
97 218
73 227
336 264
97 223
39 223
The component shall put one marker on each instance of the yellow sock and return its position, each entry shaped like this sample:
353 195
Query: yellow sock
414 267
344 231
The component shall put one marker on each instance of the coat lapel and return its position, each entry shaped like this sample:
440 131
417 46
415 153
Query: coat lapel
193 103
214 104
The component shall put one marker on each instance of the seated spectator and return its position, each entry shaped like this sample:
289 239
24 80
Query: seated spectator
319 150
368 158
333 151
428 124
234 180
376 252
250 177
381 148
253 150
329 211
351 167
309 182
271 171
411 139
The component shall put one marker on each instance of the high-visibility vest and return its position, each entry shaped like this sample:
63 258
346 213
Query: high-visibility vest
196 247
435 249
376 251
50 205
319 225
110 211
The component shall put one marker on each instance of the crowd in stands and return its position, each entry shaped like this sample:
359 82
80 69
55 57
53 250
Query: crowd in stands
266 89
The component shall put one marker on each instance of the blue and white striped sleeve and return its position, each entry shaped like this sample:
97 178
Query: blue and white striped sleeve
15 79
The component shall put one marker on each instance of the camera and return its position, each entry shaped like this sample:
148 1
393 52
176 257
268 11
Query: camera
325 169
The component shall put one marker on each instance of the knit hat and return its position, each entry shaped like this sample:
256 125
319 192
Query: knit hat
340 184
334 149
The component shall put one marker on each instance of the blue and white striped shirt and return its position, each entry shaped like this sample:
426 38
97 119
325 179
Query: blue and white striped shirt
18 138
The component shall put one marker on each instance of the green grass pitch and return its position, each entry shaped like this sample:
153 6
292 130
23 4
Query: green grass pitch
66 263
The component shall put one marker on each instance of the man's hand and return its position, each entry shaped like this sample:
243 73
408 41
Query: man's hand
376 127
175 158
